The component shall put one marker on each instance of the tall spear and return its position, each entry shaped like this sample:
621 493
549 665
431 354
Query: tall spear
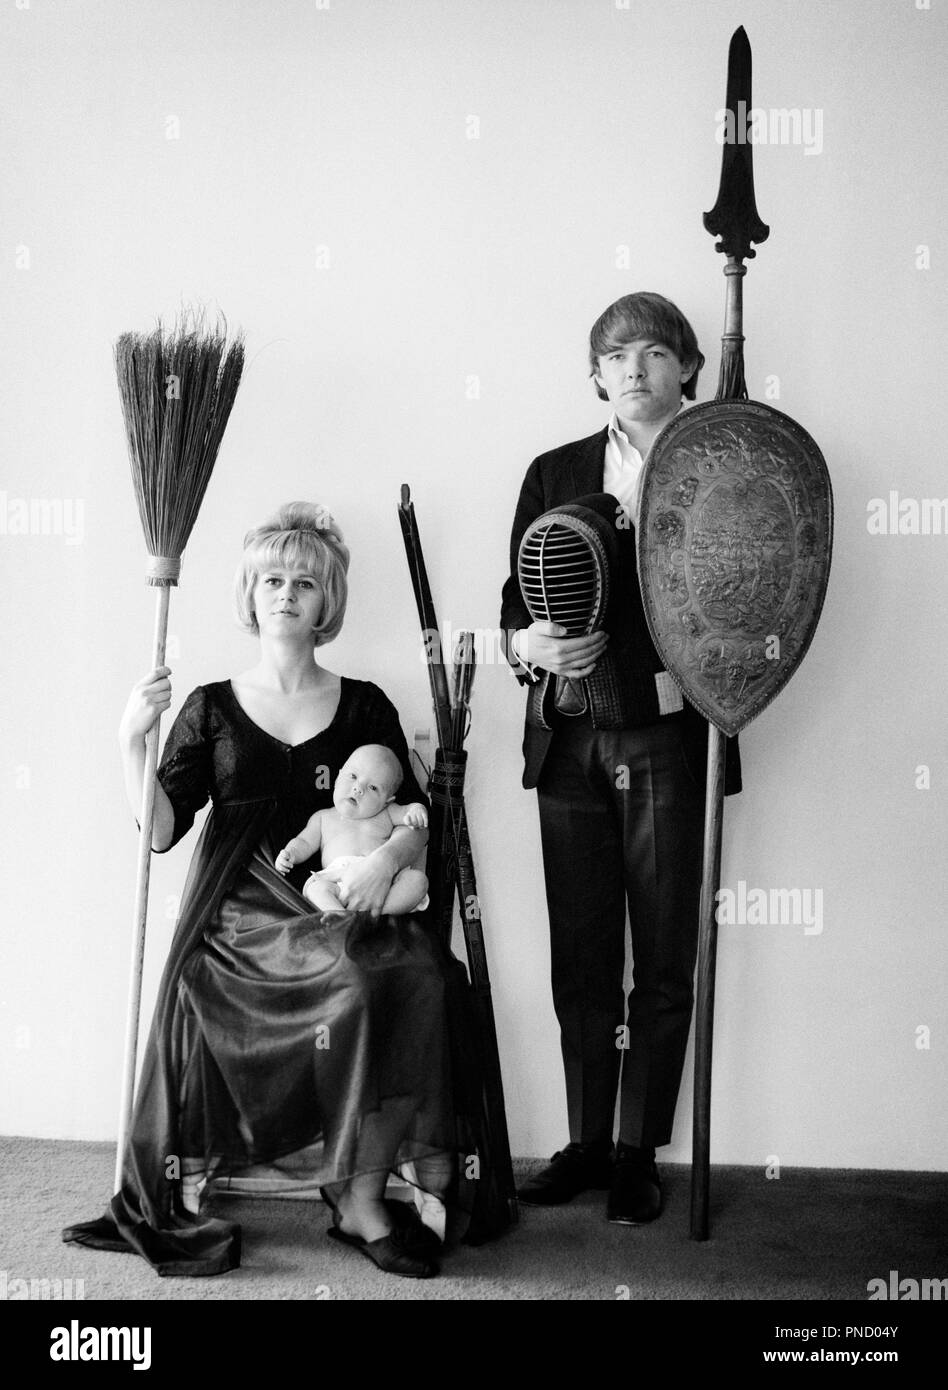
735 219
177 387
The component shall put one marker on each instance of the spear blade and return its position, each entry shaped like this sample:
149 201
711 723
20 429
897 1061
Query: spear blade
734 217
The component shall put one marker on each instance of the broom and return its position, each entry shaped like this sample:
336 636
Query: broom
177 387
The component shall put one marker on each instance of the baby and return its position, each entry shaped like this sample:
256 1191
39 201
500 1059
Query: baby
362 818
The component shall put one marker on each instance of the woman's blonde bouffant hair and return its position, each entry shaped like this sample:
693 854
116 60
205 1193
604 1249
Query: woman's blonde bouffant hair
302 535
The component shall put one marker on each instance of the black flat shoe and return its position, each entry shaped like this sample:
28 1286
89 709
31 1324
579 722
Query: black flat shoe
390 1253
570 1171
635 1196
417 1237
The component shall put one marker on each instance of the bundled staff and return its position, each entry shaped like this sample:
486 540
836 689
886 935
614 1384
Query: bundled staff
454 874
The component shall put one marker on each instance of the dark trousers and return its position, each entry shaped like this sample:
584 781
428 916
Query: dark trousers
622 823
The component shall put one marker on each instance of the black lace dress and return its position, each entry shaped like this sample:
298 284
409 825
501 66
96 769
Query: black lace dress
278 1029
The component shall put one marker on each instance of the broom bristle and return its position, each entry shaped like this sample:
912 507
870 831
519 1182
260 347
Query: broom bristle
177 387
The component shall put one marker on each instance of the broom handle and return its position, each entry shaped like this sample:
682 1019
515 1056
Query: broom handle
141 896
704 1016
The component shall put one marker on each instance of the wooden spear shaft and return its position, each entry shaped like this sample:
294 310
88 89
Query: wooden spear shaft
704 1014
732 378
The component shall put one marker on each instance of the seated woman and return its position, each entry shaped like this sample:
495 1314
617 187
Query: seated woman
280 1027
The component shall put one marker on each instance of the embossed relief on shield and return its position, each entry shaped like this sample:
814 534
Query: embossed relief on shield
736 521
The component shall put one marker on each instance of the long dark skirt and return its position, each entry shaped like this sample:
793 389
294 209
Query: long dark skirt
278 1030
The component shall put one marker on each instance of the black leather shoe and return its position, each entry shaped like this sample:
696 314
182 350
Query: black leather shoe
571 1170
635 1197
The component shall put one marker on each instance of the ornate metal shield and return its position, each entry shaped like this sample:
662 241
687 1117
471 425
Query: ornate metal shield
734 542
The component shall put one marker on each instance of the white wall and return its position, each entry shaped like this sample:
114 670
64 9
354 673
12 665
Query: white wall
345 125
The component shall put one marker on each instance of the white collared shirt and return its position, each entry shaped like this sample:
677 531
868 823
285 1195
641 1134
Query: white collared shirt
623 470
622 476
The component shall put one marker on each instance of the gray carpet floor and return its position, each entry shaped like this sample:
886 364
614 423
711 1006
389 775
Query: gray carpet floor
811 1234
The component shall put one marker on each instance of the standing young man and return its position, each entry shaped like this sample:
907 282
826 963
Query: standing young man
621 795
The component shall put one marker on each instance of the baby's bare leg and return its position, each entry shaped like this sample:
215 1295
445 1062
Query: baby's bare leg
408 888
321 892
